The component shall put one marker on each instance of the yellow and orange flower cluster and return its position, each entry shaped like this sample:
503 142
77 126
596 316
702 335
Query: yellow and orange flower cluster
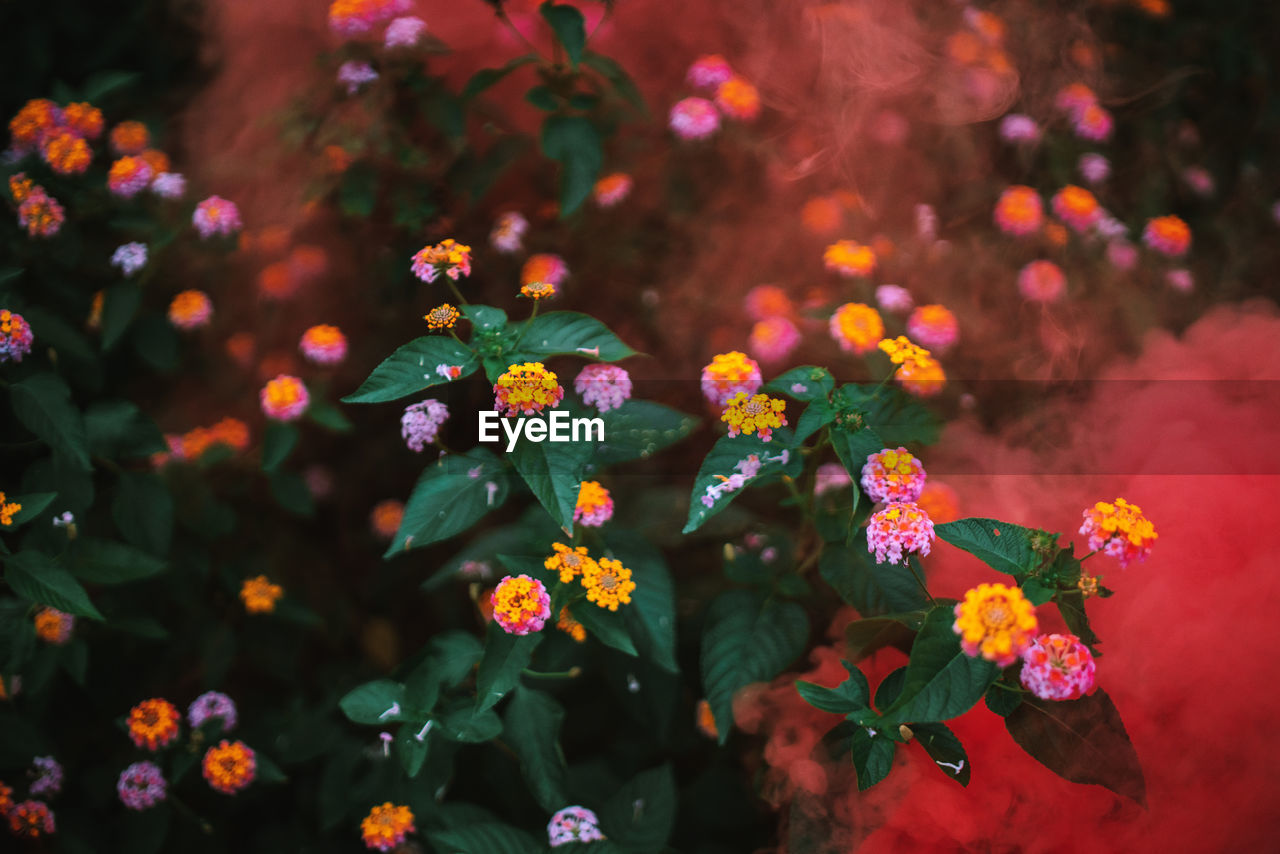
259 595
54 626
386 826
571 627
538 290
191 446
8 509
527 389
153 723
38 212
607 582
857 328
996 622
230 766
520 604
849 258
442 316
918 372
757 415
1120 530
190 309
61 135
129 138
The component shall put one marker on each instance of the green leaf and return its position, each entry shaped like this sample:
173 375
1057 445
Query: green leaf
853 447
358 192
542 98
485 838
569 26
1071 606
871 588
574 143
327 415
533 722
574 334
941 682
143 511
872 757
944 749
119 306
102 84
486 77
721 463
34 577
505 658
622 83
890 688
815 416
485 319
1082 740
278 442
117 428
1037 592
291 492
463 722
42 402
369 703
651 616
451 495
156 341
1003 546
99 561
805 383
640 428
453 655
412 368
606 626
553 471
851 694
747 639
411 750
641 815
863 637
895 416
1003 700
33 504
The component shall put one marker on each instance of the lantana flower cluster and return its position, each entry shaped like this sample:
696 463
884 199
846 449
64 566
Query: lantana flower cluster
527 389
727 94
757 415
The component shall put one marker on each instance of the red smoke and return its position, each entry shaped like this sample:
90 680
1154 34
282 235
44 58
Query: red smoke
1186 638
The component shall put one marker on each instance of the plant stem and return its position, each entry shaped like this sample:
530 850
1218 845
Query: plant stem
919 580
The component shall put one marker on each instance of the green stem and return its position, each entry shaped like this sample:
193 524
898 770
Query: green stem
457 294
919 580
571 673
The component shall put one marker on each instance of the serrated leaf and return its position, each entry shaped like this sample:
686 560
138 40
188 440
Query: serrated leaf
412 368
463 722
101 561
1082 740
606 626
895 416
941 682
747 639
651 616
871 588
451 495
485 838
890 688
42 402
569 26
872 757
1002 700
571 333
32 504
505 658
944 749
806 383
638 429
722 462
1036 591
533 721
866 636
1003 546
641 815
853 693
34 577
143 511
378 702
575 144
553 472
